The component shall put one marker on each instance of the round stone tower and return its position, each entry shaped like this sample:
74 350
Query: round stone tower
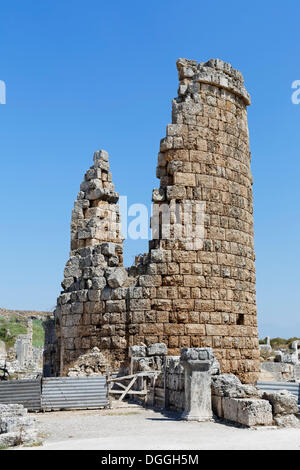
196 285
203 272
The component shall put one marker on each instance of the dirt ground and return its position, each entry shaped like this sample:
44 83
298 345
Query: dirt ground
133 427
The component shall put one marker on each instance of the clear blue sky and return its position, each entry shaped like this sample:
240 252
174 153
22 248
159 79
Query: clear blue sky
82 76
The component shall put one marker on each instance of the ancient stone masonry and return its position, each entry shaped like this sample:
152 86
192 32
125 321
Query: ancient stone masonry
196 285
89 312
247 405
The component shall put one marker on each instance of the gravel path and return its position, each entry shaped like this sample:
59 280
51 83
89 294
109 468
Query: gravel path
137 428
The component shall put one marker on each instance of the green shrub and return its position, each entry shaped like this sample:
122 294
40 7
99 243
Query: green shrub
38 334
5 336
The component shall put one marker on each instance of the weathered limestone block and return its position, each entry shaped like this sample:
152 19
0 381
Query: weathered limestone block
228 385
144 364
72 268
158 195
117 277
157 349
242 404
287 421
16 426
283 402
98 283
99 157
108 249
137 351
247 411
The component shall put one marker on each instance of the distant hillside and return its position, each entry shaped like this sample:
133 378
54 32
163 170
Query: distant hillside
14 323
280 343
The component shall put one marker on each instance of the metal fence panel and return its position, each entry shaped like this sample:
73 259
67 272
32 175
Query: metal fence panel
292 387
74 393
24 392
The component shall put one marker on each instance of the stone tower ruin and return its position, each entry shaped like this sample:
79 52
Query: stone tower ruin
195 287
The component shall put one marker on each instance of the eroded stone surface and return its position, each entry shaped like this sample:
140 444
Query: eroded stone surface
228 385
287 421
16 426
89 364
247 411
157 349
283 402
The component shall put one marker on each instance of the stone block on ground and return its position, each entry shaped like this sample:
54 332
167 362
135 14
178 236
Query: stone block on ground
283 402
287 421
247 411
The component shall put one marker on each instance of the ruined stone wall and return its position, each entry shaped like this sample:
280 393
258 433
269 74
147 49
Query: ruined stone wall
195 288
279 372
87 314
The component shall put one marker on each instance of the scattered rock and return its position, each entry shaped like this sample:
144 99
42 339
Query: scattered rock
247 411
283 402
287 421
92 363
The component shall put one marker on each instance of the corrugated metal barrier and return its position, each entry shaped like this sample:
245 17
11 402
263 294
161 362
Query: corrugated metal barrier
292 387
56 393
25 392
74 393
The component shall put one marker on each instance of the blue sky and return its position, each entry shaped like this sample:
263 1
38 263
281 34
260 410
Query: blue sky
82 76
